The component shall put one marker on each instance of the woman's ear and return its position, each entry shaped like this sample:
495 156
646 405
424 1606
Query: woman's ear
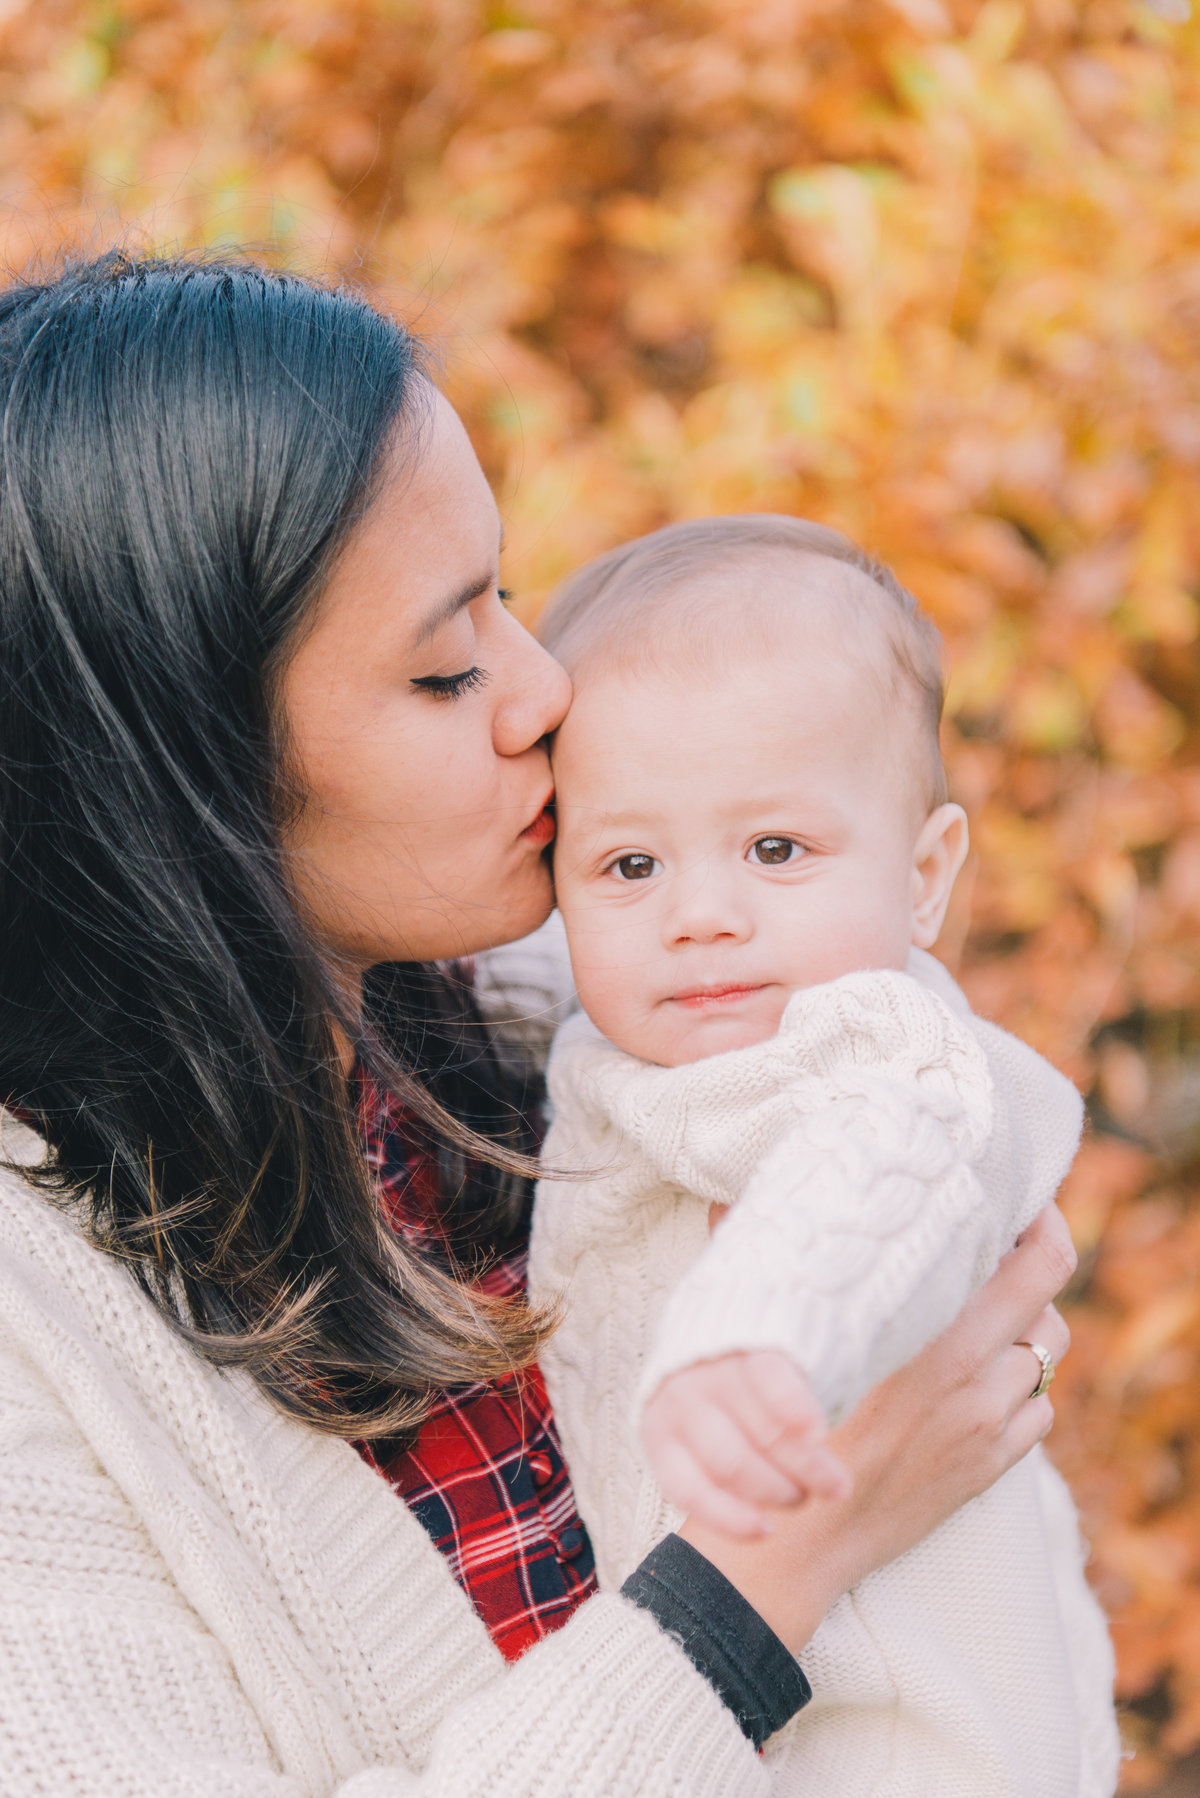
938 854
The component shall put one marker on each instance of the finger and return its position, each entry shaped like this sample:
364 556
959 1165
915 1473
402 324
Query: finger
1052 1331
793 1445
769 1398
816 1472
720 1511
730 1459
1018 1373
1012 1381
811 1469
700 1409
774 1407
778 1397
685 1484
1031 1423
1048 1243
1027 1280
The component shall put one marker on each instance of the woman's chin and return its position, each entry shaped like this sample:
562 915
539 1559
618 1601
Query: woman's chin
517 912
443 931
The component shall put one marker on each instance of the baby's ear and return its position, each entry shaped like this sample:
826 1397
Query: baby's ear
938 854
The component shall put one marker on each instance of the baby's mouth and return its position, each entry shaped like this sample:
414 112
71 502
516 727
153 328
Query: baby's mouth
700 998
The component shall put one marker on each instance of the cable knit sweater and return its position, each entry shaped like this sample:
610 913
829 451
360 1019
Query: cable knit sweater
201 1598
880 1153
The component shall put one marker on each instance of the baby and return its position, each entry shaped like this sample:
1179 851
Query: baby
754 853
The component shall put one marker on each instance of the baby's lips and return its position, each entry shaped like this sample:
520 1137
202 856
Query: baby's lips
716 991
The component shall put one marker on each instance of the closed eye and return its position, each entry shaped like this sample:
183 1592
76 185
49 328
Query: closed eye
452 686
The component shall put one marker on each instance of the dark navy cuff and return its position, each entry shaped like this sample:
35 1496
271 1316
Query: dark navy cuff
722 1635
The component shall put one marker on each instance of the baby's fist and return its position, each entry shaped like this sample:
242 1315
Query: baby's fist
728 1437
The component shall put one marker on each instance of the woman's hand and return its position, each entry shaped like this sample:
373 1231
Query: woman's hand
937 1433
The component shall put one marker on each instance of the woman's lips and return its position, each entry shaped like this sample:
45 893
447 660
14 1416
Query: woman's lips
541 831
701 996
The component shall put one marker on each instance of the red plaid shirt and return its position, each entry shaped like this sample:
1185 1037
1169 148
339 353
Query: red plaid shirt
486 1474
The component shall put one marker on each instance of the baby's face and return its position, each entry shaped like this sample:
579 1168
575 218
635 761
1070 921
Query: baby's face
725 839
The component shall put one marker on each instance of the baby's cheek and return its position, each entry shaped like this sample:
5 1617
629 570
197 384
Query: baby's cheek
614 997
863 925
624 1022
604 991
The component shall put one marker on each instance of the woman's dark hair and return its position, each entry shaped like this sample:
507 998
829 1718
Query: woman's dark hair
185 446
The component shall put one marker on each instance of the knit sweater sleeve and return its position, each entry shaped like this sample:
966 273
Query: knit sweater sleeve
203 1598
608 1707
111 1687
858 1235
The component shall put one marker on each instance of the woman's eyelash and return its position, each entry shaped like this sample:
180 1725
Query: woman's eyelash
504 595
452 686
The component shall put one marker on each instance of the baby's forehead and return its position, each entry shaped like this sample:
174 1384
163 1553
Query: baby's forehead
764 601
803 633
729 659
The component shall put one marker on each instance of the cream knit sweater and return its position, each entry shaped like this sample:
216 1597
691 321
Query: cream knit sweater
880 1153
201 1598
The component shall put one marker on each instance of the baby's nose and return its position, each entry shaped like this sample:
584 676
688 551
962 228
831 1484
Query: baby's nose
705 916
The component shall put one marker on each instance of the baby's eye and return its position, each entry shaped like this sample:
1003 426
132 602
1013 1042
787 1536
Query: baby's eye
771 851
635 867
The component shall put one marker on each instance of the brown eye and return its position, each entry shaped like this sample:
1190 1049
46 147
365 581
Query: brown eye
635 867
773 850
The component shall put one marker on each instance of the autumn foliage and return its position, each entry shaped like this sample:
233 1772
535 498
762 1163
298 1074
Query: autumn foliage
928 270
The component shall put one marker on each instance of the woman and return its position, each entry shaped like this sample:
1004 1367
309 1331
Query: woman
272 754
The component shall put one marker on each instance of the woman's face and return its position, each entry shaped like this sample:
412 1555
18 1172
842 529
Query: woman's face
415 710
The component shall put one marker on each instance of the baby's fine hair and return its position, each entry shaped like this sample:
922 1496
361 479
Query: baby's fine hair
614 601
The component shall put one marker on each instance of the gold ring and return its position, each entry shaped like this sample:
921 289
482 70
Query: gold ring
1047 1366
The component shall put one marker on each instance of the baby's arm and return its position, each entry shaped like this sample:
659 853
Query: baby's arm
855 1242
915 1281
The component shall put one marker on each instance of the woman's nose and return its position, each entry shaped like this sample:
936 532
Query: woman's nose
537 692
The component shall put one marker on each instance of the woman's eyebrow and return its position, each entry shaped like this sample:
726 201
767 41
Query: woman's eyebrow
446 608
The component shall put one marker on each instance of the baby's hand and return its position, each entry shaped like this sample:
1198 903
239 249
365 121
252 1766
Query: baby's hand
727 1437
